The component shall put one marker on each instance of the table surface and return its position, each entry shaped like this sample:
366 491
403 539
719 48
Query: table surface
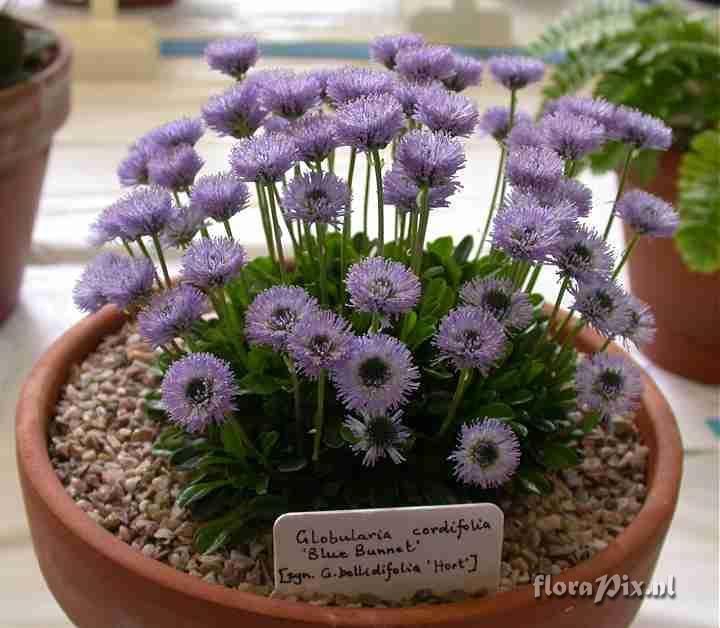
105 119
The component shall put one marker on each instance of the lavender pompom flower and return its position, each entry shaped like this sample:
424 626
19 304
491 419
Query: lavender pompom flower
570 191
109 226
237 112
378 436
496 122
488 454
402 192
175 168
466 73
608 384
171 314
378 375
273 314
219 196
596 109
349 83
583 255
144 212
380 286
263 158
321 75
277 124
430 159
440 110
384 49
369 123
516 72
572 137
407 93
525 134
176 133
425 63
212 262
291 95
535 170
133 170
525 230
198 391
317 198
319 341
470 338
604 305
183 226
315 137
233 57
647 214
510 307
639 130
641 326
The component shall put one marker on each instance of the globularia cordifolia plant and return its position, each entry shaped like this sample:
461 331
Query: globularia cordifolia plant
345 369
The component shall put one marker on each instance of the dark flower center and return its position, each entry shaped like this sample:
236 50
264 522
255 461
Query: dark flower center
497 302
611 383
282 319
605 301
321 344
381 287
374 372
471 339
581 253
381 432
484 454
199 391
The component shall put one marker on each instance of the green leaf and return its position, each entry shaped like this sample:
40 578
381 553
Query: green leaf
495 411
463 250
197 491
232 440
518 397
268 440
442 247
212 536
293 465
556 456
258 384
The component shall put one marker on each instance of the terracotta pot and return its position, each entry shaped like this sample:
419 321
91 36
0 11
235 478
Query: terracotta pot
124 4
101 581
30 113
686 304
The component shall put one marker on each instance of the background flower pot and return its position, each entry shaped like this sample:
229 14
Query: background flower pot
101 581
30 113
686 304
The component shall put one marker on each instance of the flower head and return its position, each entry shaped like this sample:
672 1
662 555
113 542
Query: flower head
510 307
277 124
317 198
233 57
402 192
176 133
525 134
377 376
441 110
430 159
133 170
175 168
466 73
183 226
319 341
496 121
639 130
143 211
533 169
272 316
369 123
378 436
488 454
425 63
237 112
604 305
349 83
647 214
212 262
265 158
608 384
108 226
384 49
315 137
198 391
219 196
380 286
321 75
597 109
407 94
571 136
291 95
171 314
569 191
470 337
516 72
583 255
641 323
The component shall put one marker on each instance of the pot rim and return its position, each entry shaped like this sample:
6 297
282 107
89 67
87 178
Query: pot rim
41 392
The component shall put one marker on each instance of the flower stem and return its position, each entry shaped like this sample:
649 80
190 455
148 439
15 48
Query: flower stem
347 231
128 248
493 203
322 260
228 229
626 255
511 123
288 223
533 278
423 219
621 187
381 202
463 381
265 221
319 414
297 403
146 253
278 234
366 197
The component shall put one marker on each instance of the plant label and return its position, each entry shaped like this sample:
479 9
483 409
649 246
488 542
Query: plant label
392 553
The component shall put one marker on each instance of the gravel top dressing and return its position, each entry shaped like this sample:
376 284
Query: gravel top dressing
100 446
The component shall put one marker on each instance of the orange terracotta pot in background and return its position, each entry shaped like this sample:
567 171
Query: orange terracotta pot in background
686 304
30 113
101 581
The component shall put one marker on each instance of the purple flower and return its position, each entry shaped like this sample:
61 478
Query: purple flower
425 63
317 198
526 230
237 112
570 191
647 214
321 75
183 226
369 123
516 72
608 384
176 133
380 286
466 73
440 110
524 134
219 196
572 137
212 262
291 95
273 314
319 341
263 158
198 391
407 93
349 83
488 454
175 168
277 124
108 226
378 436
641 327
143 211
384 49
535 170
471 338
596 109
378 375
430 159
171 314
510 307
133 170
402 192
233 57
639 130
584 255
315 137
496 121
604 305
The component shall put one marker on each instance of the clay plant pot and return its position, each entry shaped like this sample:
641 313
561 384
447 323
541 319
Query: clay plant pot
30 113
101 581
686 304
